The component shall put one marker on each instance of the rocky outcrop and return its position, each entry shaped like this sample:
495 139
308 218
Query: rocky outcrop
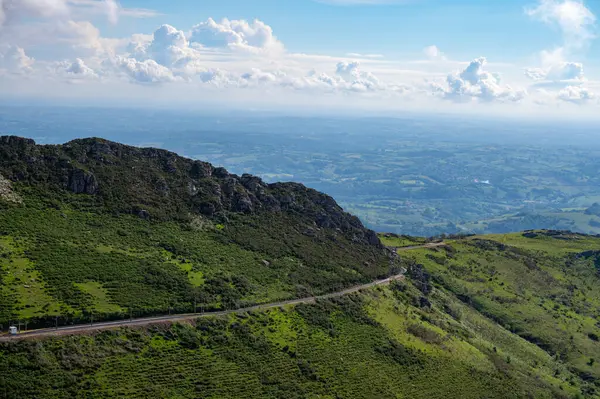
17 142
168 186
420 277
7 193
200 169
82 182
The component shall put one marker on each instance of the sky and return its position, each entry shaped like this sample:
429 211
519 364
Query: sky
511 57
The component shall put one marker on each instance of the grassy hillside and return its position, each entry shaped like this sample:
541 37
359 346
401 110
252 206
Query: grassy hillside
98 229
94 229
383 343
509 316
539 285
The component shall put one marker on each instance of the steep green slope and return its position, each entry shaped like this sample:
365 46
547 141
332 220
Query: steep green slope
448 331
373 345
94 229
98 229
539 285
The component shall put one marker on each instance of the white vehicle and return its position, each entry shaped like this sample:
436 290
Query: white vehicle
12 330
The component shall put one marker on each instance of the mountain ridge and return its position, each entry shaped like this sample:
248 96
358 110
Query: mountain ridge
157 176
173 230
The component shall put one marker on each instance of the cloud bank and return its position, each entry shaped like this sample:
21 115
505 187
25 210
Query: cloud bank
235 56
577 24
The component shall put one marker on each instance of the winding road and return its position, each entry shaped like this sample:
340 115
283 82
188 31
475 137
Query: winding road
84 328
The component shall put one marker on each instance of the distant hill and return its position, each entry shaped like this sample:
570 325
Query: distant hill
593 210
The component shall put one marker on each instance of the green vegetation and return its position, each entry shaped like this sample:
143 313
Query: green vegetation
510 316
539 285
89 239
106 231
387 337
67 262
399 241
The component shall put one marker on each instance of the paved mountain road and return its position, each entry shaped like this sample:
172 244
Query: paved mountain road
106 325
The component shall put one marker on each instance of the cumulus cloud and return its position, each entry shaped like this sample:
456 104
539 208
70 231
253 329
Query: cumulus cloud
348 70
565 72
359 80
76 70
167 37
60 39
572 17
239 56
183 57
474 82
560 77
236 35
347 79
144 72
434 53
576 94
577 23
14 60
168 47
78 33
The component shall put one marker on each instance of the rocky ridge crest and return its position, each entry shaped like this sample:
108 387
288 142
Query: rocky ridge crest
156 183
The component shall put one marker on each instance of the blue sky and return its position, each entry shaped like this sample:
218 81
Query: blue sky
508 56
466 28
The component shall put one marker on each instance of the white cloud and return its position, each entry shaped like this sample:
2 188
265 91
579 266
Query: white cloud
349 70
359 80
576 94
184 53
434 53
14 60
76 70
15 9
180 54
572 17
565 71
577 24
475 83
358 55
553 57
145 72
237 56
167 47
138 13
112 10
235 34
55 39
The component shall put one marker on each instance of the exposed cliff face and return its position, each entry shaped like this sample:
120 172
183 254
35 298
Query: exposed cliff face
6 191
81 181
165 185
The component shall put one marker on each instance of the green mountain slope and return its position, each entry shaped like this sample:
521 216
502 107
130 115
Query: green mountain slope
97 229
383 343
